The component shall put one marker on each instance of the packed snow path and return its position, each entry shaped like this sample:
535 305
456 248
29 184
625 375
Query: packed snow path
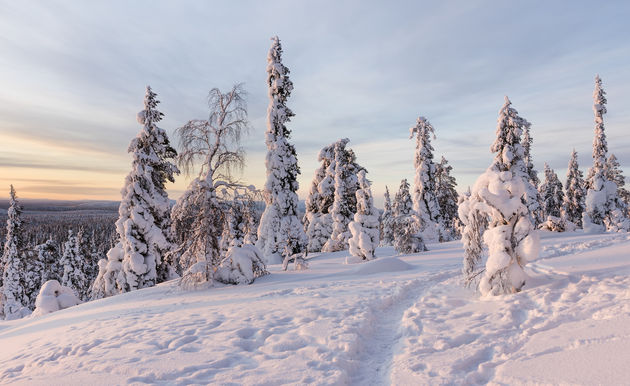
396 320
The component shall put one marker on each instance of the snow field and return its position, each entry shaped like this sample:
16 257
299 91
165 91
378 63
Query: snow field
394 320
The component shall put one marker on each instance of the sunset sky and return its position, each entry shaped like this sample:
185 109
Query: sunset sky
73 73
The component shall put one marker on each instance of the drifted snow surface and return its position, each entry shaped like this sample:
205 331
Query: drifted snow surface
395 320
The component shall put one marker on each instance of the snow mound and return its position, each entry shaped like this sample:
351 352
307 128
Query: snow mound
389 264
54 297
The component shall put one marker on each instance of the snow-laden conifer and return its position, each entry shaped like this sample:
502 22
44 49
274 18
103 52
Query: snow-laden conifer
280 231
317 219
387 220
601 196
345 201
447 197
425 202
143 225
533 199
499 194
364 228
407 238
575 191
198 215
474 223
551 193
618 220
73 262
13 298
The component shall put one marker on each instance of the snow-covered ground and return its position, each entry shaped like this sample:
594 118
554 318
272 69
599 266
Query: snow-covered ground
401 320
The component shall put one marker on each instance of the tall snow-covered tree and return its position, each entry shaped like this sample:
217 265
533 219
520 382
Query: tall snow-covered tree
143 226
499 194
575 191
280 231
551 193
364 228
407 238
425 202
532 196
601 196
345 202
13 297
317 219
73 262
387 219
447 197
198 215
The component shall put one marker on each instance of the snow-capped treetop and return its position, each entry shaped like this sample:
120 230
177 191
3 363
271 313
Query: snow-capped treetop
507 145
14 237
403 205
280 87
600 145
527 156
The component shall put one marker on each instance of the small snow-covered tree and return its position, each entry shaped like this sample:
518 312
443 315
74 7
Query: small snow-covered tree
533 199
499 194
143 225
575 191
447 199
601 196
345 202
280 231
551 194
474 223
73 263
198 214
615 174
48 255
317 219
13 297
364 228
425 202
387 219
407 238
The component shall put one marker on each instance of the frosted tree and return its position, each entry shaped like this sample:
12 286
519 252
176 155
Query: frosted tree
317 219
407 239
198 215
615 174
499 194
13 297
364 228
532 197
387 219
552 194
447 197
73 263
345 202
601 196
280 232
575 191
241 222
425 202
48 255
474 223
143 226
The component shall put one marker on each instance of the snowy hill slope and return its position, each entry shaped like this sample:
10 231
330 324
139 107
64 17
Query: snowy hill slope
396 320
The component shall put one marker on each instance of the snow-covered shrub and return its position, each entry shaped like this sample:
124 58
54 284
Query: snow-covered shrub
279 225
364 228
54 297
557 224
241 265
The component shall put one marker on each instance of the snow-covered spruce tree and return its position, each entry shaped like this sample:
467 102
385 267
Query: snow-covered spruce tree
73 262
615 174
533 199
280 232
13 298
48 255
474 225
364 228
317 219
425 202
32 275
345 202
407 239
601 195
198 214
499 194
143 225
387 219
575 191
447 197
551 193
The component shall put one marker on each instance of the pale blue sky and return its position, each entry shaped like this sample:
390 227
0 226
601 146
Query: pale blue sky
72 77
